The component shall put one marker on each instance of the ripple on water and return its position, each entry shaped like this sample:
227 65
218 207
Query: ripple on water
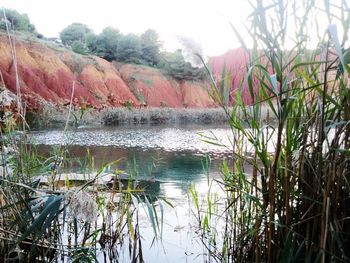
164 138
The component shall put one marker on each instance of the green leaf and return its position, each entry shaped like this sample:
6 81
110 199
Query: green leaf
44 219
151 216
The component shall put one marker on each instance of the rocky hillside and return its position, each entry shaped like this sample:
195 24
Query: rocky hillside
46 72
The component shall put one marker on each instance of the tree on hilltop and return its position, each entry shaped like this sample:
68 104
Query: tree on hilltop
150 46
74 32
129 49
105 44
15 21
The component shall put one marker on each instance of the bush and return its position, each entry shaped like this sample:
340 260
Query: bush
80 48
74 32
175 66
129 49
15 21
104 45
150 47
111 45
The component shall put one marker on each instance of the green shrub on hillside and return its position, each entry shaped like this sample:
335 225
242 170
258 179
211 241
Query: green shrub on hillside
74 32
15 21
112 45
175 66
150 44
105 44
129 49
80 48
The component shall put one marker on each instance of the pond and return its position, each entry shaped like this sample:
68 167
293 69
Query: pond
168 160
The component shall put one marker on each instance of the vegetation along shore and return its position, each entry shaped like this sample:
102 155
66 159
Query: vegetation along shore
278 192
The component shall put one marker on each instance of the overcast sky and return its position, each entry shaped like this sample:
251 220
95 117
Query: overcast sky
206 22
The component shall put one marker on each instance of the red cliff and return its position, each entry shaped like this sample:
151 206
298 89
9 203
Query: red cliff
47 73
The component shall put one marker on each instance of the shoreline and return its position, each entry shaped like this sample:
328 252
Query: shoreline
55 116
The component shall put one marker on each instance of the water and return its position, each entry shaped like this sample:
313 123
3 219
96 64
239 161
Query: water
169 159
171 139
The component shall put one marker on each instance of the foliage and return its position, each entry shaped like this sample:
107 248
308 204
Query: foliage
34 219
49 223
15 21
128 104
74 32
105 44
112 45
175 66
79 47
287 189
129 49
150 44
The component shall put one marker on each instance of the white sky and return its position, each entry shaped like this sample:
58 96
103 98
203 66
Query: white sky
206 22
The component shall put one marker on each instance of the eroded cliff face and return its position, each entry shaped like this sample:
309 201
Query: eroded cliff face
153 89
47 73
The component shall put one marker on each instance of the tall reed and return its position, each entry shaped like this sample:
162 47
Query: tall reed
71 223
294 205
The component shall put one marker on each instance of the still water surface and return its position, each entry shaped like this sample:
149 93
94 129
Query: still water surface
172 157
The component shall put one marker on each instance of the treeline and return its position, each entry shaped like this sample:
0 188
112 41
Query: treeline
144 49
112 45
12 20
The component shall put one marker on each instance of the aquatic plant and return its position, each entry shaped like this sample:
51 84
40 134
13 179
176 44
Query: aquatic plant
287 196
47 222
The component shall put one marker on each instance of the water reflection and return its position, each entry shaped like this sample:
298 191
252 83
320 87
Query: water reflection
159 172
170 139
165 161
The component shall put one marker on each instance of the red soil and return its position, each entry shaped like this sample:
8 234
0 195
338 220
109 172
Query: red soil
48 74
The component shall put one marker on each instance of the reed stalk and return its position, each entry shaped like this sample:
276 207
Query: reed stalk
293 207
52 223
